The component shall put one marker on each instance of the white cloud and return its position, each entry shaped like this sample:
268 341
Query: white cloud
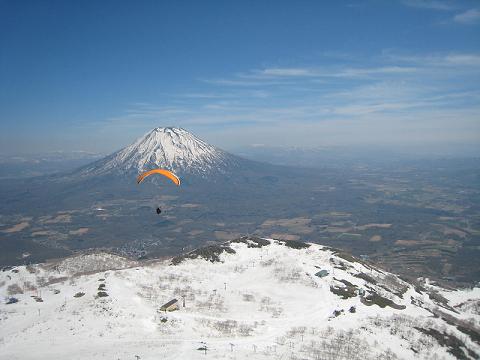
463 59
288 72
393 98
468 17
432 61
242 80
430 4
354 72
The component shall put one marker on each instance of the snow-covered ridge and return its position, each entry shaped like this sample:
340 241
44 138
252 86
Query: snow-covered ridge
171 148
249 298
89 263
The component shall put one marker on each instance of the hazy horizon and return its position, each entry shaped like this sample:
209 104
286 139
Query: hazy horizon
367 150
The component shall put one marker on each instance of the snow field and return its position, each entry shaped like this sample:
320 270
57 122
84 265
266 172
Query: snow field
259 303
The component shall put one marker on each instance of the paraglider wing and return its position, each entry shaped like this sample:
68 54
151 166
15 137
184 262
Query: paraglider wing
174 178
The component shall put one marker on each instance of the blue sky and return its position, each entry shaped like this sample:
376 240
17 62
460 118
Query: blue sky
94 75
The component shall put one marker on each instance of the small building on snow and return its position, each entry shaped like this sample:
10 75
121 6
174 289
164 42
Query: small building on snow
172 305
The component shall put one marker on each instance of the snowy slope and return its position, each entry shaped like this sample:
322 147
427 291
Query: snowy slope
249 298
171 148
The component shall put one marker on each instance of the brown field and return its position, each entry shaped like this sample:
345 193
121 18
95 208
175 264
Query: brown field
333 229
375 238
79 231
300 221
279 236
416 242
45 233
298 225
61 218
373 226
17 228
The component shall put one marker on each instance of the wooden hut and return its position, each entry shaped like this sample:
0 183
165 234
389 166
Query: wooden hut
172 305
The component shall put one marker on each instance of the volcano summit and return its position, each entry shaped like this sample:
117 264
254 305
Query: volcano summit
171 148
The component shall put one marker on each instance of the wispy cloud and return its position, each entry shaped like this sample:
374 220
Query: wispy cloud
226 95
288 76
243 81
435 61
326 72
430 4
469 17
280 72
356 72
463 59
407 93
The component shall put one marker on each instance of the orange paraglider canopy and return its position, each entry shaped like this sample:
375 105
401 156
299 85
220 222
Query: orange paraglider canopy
163 172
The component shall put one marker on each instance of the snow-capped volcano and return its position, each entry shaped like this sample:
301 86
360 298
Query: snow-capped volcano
171 148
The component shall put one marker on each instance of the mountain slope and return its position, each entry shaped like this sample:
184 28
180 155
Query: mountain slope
172 148
247 298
